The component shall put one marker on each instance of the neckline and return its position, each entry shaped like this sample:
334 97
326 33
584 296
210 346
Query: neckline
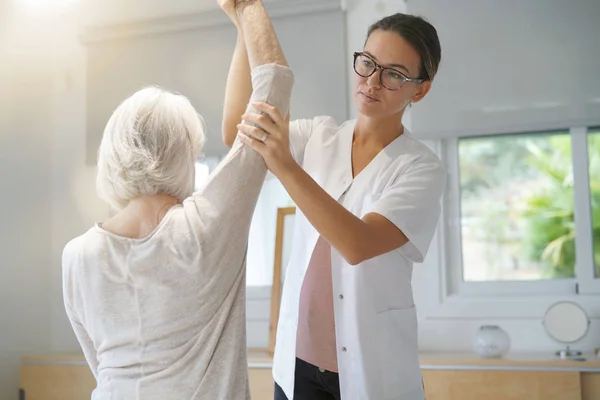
157 228
375 160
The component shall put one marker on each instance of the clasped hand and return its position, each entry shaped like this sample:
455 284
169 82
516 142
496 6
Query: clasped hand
269 134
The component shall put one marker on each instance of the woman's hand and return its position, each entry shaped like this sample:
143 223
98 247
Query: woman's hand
228 6
231 8
269 134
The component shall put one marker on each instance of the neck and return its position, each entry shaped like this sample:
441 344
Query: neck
141 216
378 131
150 202
150 210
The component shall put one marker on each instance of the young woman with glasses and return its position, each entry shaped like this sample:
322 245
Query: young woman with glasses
368 199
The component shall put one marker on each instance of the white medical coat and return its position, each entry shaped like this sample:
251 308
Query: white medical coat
375 316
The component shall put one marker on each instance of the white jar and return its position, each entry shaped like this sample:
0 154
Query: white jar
491 341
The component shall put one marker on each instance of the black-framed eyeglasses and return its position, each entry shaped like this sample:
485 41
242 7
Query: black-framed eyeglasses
389 78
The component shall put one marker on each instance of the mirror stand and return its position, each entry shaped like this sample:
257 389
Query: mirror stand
568 353
566 322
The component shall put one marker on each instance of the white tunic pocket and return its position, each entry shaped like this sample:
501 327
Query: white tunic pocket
398 354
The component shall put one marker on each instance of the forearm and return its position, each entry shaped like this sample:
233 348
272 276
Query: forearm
262 44
348 234
237 180
234 186
237 91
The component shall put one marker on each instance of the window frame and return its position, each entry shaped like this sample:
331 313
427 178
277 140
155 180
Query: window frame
583 284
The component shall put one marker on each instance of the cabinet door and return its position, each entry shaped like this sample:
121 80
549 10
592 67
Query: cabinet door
590 386
501 385
57 382
262 386
73 382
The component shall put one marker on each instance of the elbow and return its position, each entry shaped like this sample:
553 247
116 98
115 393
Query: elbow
356 256
353 261
228 142
357 250
363 251
228 135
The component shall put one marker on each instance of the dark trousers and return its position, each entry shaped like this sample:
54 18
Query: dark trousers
312 384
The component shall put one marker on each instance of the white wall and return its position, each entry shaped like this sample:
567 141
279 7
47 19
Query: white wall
108 12
512 65
38 204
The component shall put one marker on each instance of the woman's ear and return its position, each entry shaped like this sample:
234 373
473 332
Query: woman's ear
421 92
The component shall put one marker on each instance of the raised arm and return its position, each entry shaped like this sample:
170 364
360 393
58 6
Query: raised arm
261 42
233 188
239 85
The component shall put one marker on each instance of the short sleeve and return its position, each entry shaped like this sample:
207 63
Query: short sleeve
300 132
412 203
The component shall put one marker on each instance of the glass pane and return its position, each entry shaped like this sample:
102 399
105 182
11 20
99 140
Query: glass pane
594 160
203 168
517 207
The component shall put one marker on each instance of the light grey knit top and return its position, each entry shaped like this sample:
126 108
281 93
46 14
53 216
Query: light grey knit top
164 317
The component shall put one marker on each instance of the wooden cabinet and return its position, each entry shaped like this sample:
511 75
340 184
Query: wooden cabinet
68 377
446 377
56 378
518 377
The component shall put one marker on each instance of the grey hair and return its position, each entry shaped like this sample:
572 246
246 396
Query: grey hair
149 146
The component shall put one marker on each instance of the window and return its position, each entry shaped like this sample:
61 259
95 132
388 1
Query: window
519 216
517 207
204 167
594 174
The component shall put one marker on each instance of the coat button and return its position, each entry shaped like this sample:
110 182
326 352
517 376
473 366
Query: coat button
341 297
344 349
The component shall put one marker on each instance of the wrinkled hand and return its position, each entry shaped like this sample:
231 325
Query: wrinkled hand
231 7
269 134
228 6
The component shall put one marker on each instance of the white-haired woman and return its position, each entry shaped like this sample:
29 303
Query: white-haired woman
156 294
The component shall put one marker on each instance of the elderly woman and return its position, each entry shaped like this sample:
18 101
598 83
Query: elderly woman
156 294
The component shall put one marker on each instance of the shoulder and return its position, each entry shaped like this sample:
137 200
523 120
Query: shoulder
74 255
319 123
419 154
327 128
81 248
74 247
328 123
416 160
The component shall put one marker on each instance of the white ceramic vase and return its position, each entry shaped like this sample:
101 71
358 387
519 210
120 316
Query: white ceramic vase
491 341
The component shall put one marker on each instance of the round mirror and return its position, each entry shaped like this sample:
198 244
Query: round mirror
566 322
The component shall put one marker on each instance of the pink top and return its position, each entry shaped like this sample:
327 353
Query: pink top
315 343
